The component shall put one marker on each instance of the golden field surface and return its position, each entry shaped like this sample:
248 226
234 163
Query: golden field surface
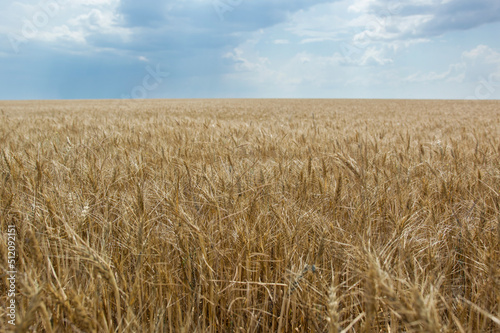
252 215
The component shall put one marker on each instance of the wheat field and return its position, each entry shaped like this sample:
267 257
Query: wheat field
252 215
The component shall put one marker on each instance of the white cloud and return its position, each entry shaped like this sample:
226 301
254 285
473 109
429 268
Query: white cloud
62 32
387 21
390 28
323 22
102 22
305 68
281 41
424 18
56 22
96 2
374 56
482 54
480 63
455 73
243 64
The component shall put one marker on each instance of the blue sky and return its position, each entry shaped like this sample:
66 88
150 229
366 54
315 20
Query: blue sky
61 49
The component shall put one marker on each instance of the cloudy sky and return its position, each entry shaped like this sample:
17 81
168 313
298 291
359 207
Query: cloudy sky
61 49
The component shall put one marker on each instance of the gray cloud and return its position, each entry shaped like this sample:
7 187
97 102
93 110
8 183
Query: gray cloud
185 27
142 13
462 15
413 19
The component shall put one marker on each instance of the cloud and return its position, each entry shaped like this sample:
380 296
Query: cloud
145 13
62 33
395 20
461 15
480 63
281 41
304 69
210 15
62 24
319 23
455 72
181 27
373 56
247 47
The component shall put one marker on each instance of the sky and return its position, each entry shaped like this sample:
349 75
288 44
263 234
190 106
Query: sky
100 49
